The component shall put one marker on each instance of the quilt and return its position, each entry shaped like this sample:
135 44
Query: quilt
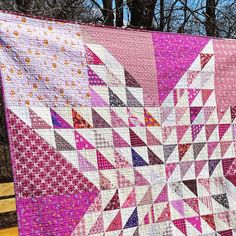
119 132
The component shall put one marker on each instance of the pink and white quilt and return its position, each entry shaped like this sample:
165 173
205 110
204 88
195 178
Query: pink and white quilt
119 132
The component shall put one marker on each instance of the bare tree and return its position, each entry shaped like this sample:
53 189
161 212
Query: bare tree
226 20
162 15
119 13
108 12
204 17
211 27
149 13
136 8
79 10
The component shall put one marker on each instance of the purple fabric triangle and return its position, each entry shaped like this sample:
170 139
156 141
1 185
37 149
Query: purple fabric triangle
173 61
179 206
196 222
96 100
58 121
84 164
54 211
82 143
94 79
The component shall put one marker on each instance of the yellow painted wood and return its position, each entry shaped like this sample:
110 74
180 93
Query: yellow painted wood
6 189
7 205
9 232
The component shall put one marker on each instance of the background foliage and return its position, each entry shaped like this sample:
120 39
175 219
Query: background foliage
204 17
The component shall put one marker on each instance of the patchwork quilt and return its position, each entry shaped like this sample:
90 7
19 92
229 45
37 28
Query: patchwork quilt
119 132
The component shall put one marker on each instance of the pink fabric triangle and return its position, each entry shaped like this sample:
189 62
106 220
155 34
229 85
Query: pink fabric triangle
208 112
199 166
206 93
163 195
146 219
211 146
205 58
139 179
149 217
116 120
181 130
165 214
206 184
120 161
223 129
82 143
122 181
96 100
136 141
192 94
130 200
196 222
96 205
114 202
180 111
151 139
225 217
178 93
224 146
92 58
184 167
98 226
166 132
221 113
196 129
180 224
147 198
104 182
209 130
170 169
116 223
103 163
176 96
194 111
193 203
118 141
165 112
192 75
37 122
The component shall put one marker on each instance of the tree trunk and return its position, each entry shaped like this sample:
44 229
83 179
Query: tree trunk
136 8
108 12
162 15
210 25
119 13
185 9
25 6
150 9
